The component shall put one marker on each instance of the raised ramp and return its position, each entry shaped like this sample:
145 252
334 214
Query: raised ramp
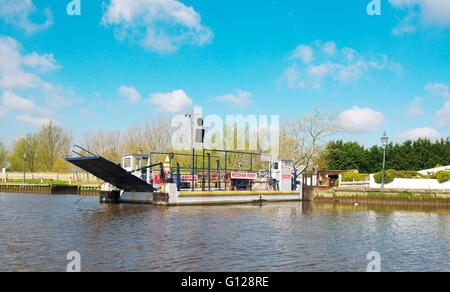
111 173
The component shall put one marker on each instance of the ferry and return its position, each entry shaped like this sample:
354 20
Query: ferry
201 177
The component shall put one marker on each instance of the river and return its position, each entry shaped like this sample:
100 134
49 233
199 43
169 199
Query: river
37 232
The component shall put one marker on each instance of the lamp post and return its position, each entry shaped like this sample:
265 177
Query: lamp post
24 157
384 141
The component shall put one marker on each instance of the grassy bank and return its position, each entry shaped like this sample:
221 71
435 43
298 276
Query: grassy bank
51 189
384 196
52 182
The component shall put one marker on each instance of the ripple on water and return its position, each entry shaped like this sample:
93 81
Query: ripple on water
36 233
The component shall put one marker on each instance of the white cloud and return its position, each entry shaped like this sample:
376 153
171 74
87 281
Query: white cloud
28 111
329 63
406 25
15 102
21 71
329 48
130 93
414 134
438 89
45 62
361 120
443 115
415 109
160 25
304 53
240 99
171 102
33 120
19 12
12 73
432 12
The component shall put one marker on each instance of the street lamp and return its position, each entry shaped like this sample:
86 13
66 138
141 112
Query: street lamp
384 141
24 157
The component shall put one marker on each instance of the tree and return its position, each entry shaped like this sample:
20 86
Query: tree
54 143
27 146
304 136
30 148
3 156
106 144
410 155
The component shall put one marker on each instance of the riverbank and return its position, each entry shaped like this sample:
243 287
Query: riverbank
383 196
51 189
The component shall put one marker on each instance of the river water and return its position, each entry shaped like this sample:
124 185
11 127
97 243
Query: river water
37 232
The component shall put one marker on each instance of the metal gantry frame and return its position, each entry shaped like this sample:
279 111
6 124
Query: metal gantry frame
226 169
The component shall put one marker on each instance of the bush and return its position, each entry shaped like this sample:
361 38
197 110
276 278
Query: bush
354 176
442 176
391 174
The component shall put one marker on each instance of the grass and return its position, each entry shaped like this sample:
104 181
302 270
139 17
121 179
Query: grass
51 182
401 195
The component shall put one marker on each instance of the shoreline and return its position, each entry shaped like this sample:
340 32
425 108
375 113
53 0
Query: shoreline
50 189
334 195
394 197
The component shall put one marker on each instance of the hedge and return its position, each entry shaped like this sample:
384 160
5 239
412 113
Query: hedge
354 176
391 174
442 176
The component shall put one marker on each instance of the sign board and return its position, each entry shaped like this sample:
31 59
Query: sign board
286 177
188 178
243 175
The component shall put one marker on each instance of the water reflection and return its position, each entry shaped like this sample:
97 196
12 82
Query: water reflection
36 232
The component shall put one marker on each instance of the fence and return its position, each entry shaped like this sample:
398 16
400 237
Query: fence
75 176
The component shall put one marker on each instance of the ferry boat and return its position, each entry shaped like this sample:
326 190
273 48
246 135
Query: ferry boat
202 177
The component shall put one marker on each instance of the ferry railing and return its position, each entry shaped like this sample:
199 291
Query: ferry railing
82 149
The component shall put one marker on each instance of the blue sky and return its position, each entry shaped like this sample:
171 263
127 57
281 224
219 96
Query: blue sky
122 61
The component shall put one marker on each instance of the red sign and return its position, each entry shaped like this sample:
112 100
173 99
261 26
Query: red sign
243 175
188 178
286 177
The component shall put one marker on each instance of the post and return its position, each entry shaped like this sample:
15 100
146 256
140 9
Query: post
384 141
218 172
178 176
209 172
225 174
382 175
203 174
193 164
24 157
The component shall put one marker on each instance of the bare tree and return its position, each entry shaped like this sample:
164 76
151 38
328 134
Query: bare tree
106 144
156 135
305 136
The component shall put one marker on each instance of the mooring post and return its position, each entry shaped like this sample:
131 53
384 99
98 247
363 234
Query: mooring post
203 174
178 176
225 174
193 164
218 172
209 171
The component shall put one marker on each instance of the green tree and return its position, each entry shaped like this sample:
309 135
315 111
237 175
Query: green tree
27 146
54 144
410 155
3 156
